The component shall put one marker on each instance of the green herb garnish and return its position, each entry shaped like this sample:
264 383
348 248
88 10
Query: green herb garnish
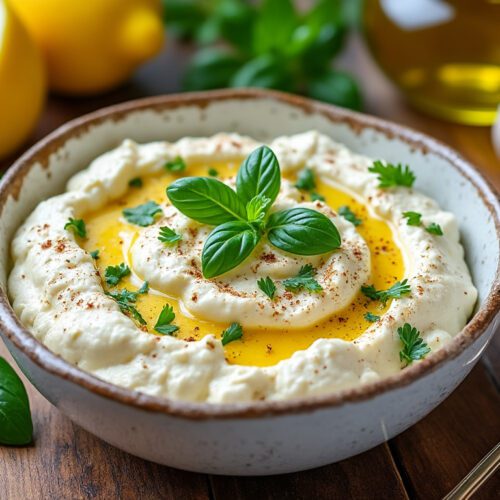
434 228
114 274
212 172
176 165
414 347
396 291
234 332
163 325
143 215
95 254
267 286
305 279
349 215
413 218
371 317
168 236
77 226
144 288
136 182
126 302
317 197
306 180
390 175
16 426
243 217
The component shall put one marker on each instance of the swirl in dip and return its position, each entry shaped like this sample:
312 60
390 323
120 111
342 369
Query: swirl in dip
340 333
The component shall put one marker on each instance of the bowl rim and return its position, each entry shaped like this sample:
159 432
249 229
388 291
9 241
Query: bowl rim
40 355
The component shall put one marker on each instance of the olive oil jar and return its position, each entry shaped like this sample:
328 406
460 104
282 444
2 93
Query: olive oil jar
443 54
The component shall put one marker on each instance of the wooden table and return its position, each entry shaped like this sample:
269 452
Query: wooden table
424 462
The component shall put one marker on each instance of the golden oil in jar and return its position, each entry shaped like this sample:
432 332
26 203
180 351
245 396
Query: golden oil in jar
443 54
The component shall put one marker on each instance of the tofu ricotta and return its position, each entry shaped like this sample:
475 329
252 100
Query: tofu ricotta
59 292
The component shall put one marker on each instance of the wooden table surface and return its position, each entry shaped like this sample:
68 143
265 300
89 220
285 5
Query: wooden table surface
424 462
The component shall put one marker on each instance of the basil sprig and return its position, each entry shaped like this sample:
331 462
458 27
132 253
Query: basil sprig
16 427
242 217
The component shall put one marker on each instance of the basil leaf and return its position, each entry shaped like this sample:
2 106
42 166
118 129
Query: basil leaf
16 427
227 246
303 231
236 24
267 71
206 200
336 88
259 174
211 68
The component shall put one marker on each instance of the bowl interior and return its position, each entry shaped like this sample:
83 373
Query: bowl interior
263 117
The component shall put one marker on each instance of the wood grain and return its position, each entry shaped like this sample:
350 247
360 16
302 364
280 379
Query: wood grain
426 461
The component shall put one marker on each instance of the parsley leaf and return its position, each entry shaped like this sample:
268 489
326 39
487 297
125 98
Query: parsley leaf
144 288
349 215
392 175
414 347
94 254
212 172
371 317
163 325
306 180
267 286
176 165
305 279
434 228
126 300
114 274
142 215
317 197
136 182
77 226
169 236
413 218
234 332
396 291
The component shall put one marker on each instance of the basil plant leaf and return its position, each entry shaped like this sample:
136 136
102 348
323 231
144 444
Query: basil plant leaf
267 71
258 175
337 88
227 246
16 426
303 231
206 200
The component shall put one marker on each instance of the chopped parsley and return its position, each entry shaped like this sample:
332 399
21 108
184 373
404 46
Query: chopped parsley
306 180
94 254
136 182
348 214
395 292
267 286
77 226
114 274
371 317
212 172
163 325
413 218
317 197
434 228
144 288
126 300
176 165
168 236
234 332
143 215
305 279
414 347
390 175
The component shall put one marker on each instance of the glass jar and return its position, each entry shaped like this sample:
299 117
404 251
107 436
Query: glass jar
443 54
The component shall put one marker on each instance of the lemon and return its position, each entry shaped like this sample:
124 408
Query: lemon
22 81
91 46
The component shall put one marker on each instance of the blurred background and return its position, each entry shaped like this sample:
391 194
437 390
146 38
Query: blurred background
431 64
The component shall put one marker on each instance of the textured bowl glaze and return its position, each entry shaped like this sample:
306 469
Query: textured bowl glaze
264 437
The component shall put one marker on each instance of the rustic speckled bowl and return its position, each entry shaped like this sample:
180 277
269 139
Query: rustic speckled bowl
264 437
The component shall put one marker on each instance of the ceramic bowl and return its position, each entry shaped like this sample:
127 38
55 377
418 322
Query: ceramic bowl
263 437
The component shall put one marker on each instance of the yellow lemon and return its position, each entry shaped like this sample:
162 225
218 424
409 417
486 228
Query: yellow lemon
91 46
22 81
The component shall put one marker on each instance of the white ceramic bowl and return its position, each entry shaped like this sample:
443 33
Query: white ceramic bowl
264 437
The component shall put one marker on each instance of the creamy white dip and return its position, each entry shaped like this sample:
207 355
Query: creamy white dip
52 285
